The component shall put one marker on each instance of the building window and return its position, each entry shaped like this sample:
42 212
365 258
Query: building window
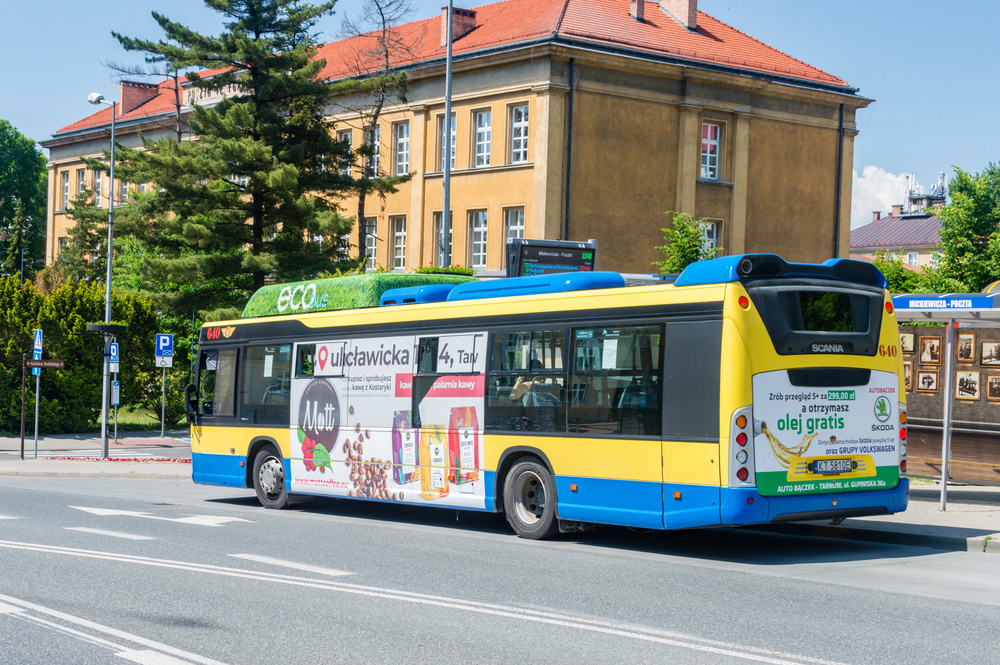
442 240
97 188
711 232
711 139
398 225
913 258
441 150
142 188
402 148
125 193
484 137
477 235
344 247
519 134
514 222
65 188
345 160
376 145
63 242
370 243
81 180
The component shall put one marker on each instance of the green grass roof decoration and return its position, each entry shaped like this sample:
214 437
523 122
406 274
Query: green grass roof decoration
348 292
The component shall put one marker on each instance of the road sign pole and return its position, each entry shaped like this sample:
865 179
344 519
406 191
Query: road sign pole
163 408
38 384
24 369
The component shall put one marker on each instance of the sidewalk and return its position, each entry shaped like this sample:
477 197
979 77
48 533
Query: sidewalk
971 521
134 455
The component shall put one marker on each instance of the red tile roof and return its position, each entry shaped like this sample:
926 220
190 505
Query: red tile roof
915 230
602 23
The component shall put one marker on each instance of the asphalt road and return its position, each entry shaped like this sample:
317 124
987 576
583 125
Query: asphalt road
165 572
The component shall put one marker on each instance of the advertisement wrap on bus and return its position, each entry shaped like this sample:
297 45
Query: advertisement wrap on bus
356 410
745 390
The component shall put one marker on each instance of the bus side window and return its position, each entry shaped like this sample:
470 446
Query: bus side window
526 387
305 359
616 379
266 384
217 383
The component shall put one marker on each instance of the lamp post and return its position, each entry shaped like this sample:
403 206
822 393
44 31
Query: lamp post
98 98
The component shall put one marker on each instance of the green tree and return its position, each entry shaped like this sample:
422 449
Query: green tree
903 279
685 243
968 225
84 256
244 201
23 183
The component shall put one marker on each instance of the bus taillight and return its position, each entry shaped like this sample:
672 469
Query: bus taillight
741 464
902 439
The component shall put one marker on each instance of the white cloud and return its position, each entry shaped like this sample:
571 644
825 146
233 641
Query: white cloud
874 190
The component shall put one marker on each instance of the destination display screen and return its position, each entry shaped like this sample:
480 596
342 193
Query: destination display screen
527 258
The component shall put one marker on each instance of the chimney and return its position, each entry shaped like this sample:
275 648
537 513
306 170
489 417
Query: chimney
134 94
684 12
637 9
462 22
876 215
897 209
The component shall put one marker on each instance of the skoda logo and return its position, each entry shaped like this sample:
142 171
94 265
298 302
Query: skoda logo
882 409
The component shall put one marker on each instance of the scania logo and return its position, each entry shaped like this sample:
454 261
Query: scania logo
828 348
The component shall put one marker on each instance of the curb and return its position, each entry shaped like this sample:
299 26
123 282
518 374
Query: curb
141 470
986 543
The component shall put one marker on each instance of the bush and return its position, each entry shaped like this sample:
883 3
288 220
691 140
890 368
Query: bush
71 397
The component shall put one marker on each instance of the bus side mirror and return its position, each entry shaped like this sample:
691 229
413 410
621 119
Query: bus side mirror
191 402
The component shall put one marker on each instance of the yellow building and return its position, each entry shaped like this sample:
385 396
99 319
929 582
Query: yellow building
579 119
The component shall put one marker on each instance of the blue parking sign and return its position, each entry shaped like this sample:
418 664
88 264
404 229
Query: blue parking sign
164 344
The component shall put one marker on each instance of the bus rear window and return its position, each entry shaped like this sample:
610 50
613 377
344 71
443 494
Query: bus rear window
825 312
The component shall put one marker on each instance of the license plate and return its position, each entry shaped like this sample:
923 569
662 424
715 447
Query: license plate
832 466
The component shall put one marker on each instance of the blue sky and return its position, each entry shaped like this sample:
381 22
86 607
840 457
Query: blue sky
929 65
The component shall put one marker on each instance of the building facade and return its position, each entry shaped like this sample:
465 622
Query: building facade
576 119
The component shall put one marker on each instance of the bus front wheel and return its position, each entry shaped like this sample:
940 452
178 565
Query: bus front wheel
269 478
529 500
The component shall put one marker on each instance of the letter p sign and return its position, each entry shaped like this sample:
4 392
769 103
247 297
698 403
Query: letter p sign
164 350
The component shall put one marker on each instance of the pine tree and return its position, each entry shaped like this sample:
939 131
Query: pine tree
248 198
84 257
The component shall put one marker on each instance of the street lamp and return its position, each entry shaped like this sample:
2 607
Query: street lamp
98 98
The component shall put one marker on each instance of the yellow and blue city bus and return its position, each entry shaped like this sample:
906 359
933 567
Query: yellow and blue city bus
746 390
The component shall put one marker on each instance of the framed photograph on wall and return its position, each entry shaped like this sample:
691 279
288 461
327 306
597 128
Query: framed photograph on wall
930 351
967 384
906 342
908 375
991 354
965 348
927 381
993 387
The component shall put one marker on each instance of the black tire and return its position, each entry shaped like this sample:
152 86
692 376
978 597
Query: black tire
269 478
529 500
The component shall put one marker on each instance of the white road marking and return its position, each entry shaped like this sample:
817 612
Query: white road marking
291 564
9 609
617 629
151 658
28 611
113 534
199 520
7 517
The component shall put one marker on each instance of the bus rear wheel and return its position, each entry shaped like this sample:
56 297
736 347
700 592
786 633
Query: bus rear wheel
269 478
529 500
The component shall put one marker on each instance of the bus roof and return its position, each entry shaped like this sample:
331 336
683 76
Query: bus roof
386 289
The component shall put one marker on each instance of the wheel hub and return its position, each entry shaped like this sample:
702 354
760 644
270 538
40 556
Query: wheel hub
271 476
